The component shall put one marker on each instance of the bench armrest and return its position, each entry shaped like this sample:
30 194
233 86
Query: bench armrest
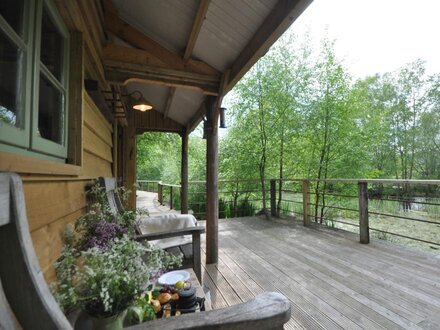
266 311
195 231
171 233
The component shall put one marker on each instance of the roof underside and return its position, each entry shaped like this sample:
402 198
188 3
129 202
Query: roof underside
228 28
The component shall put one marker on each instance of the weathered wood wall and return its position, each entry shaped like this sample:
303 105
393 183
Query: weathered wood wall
54 201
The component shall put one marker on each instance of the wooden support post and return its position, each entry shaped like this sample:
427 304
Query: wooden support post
130 158
273 198
160 193
171 197
306 202
184 175
76 99
211 181
364 232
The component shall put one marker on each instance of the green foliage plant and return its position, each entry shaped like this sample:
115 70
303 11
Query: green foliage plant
102 269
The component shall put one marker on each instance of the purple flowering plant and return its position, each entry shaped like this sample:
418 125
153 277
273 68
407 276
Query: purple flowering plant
103 234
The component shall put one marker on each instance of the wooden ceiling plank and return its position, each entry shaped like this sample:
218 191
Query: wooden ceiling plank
276 23
197 26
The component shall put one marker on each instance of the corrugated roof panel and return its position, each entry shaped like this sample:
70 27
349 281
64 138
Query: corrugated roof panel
168 22
228 28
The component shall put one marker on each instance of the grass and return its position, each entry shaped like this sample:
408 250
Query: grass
406 227
251 202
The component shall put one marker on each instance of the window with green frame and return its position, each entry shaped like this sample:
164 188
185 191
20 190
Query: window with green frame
34 48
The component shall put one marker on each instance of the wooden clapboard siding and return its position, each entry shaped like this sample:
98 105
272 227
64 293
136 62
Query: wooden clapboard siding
96 122
95 146
47 202
53 201
48 237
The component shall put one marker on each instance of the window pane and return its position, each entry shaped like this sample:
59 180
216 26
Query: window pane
12 12
50 112
52 46
11 82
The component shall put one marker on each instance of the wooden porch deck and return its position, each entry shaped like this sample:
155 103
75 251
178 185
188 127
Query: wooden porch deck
332 281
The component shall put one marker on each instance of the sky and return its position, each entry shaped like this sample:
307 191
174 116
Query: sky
376 35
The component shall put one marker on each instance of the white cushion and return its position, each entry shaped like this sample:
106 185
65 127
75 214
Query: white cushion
167 222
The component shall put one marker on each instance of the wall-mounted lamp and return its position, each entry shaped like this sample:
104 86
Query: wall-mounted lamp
141 103
222 118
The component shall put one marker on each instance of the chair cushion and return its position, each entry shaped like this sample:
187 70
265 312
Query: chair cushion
167 222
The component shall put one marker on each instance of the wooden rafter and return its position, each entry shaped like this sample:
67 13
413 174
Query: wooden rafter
170 97
279 19
197 25
136 38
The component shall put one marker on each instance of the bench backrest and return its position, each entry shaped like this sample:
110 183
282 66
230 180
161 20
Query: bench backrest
23 286
109 184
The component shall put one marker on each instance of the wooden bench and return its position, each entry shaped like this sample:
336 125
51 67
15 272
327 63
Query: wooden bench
26 302
191 252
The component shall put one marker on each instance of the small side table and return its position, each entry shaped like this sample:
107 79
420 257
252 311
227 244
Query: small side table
199 289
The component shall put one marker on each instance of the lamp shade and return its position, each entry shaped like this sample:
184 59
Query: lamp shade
142 105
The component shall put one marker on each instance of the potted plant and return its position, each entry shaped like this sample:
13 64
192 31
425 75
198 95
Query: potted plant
102 270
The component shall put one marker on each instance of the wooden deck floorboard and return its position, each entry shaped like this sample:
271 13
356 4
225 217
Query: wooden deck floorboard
332 281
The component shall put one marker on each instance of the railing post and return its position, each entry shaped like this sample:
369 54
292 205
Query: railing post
160 193
364 233
306 202
273 198
171 197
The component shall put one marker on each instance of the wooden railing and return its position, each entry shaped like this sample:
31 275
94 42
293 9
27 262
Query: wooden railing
166 193
148 185
402 210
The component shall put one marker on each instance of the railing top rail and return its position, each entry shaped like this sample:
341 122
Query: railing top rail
386 181
169 184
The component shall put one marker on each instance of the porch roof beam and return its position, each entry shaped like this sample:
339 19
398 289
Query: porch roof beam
279 19
122 73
